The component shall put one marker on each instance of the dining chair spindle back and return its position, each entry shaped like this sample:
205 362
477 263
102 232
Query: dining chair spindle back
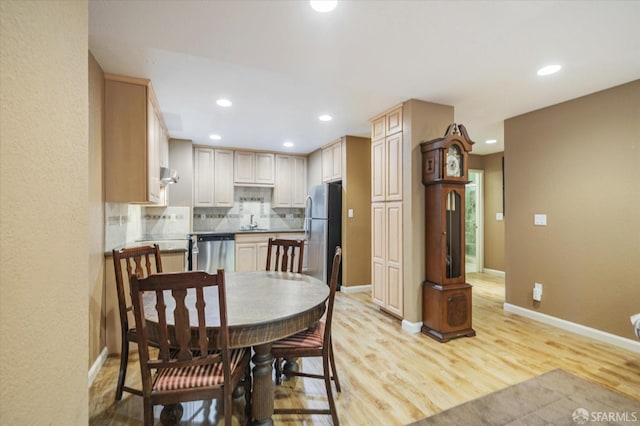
188 366
285 252
141 261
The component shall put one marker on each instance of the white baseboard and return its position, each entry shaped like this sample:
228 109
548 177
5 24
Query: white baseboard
493 271
355 288
95 368
573 327
411 327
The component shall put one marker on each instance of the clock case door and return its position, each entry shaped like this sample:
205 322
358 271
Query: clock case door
444 234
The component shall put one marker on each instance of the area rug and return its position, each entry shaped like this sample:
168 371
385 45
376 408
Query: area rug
553 398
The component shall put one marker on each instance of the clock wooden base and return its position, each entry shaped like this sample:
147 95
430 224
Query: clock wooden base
446 311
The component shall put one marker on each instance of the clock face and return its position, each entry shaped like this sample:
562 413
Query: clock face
453 162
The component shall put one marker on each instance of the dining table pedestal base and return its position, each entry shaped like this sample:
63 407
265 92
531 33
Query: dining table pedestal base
171 414
262 394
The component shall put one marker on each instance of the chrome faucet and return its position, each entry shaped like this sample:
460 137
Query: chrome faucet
252 224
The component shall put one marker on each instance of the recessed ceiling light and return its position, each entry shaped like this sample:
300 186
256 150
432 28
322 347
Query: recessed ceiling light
215 137
224 102
323 6
288 144
325 117
490 141
549 69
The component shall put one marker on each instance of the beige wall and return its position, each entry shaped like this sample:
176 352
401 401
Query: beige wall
44 266
96 214
421 121
493 229
493 248
356 234
181 159
579 163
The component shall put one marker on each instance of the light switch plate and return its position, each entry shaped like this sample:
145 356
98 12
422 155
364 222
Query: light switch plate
540 219
499 216
350 212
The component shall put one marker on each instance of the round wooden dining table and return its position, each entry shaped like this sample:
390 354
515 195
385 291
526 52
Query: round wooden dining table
262 307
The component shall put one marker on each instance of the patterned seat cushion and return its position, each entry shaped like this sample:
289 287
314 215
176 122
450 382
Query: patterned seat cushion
309 338
192 377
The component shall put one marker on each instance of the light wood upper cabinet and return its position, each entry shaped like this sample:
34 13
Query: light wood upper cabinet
393 121
134 141
244 167
378 170
290 188
377 128
203 180
393 170
213 183
332 162
254 168
386 164
223 178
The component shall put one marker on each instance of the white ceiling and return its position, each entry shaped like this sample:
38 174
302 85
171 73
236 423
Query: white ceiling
282 64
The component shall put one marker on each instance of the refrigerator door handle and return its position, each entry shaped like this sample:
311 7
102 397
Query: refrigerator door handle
307 216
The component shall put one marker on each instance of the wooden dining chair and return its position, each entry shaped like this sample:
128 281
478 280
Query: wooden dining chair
191 364
285 252
141 261
314 342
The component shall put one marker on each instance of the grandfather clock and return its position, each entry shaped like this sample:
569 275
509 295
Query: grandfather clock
446 297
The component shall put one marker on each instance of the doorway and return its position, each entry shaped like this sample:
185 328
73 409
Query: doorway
474 222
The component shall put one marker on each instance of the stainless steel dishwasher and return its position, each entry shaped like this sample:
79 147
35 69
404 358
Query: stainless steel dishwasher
210 252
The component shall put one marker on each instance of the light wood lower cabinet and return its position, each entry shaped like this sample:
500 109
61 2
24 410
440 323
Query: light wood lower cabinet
251 250
386 253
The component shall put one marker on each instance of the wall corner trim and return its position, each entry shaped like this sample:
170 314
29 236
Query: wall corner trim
411 327
97 365
573 327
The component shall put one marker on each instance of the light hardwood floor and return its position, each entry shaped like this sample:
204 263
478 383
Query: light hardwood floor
391 377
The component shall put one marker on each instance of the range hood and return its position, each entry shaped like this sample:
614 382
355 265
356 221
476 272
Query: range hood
168 176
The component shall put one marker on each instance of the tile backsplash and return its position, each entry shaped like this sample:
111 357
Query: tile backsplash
247 201
123 223
127 223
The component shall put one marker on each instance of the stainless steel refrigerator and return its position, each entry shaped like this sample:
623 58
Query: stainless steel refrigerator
323 229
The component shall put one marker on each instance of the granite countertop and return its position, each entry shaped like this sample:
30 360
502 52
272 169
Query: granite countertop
253 231
167 243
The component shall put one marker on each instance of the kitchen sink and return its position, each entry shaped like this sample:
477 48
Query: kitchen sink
247 229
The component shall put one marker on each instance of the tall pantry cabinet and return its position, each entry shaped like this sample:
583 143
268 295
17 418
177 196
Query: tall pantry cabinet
398 205
387 212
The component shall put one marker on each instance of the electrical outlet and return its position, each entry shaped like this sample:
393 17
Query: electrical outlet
540 219
537 292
